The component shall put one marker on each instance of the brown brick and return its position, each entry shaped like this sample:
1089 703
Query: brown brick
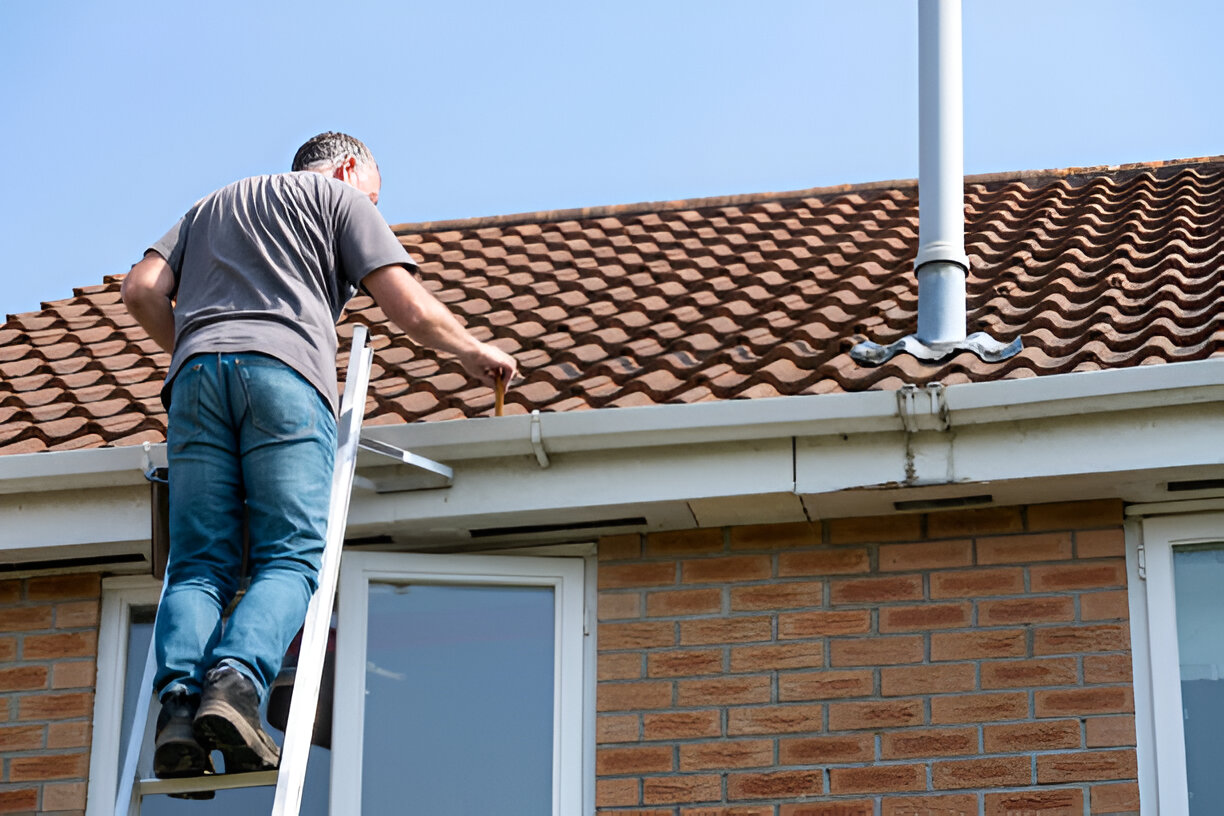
788 719
64 587
1061 802
21 800
1109 732
683 602
685 542
725 630
625 576
1078 515
782 656
728 810
877 779
839 561
912 680
1056 671
1100 543
55 706
775 536
978 645
825 623
1120 798
926 555
841 807
776 785
620 547
10 592
8 649
21 737
77 614
708 756
993 772
1050 735
636 760
785 595
977 583
73 674
1059 609
722 691
640 635
631 696
64 796
826 750
616 728
684 663
619 605
925 617
625 666
875 714
51 766
1107 637
1111 605
645 812
1083 701
876 651
614 792
75 734
875 529
912 743
673 789
946 805
53 647
1024 549
682 725
729 568
982 521
26 618
1107 668
825 685
23 678
1100 574
1086 766
877 590
976 708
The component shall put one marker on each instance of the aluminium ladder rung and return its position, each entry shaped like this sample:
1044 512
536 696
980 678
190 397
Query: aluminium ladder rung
210 782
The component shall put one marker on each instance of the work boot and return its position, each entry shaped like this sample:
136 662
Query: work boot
228 720
176 751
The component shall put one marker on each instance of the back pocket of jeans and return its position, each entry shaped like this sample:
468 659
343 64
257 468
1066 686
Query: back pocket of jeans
280 401
185 425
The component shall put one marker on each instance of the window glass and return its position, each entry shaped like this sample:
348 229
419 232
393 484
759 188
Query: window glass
459 700
226 803
1198 576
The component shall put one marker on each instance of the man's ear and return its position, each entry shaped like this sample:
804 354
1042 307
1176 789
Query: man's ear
348 165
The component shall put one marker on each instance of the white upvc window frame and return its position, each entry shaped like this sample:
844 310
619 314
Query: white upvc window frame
572 785
1159 721
571 571
120 595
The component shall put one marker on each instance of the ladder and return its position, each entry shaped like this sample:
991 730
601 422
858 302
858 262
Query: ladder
290 777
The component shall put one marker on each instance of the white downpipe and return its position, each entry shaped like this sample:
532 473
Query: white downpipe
941 263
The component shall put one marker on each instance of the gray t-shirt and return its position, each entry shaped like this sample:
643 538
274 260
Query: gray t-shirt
266 265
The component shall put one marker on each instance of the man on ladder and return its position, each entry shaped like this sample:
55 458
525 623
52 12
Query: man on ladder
244 292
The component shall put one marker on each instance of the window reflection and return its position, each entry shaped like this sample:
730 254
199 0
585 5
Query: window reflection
1198 576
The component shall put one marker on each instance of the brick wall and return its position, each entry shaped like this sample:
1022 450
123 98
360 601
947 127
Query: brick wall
48 645
970 662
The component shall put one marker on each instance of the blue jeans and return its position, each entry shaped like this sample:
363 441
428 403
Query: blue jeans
247 436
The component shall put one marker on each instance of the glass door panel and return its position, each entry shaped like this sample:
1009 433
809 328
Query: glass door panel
1198 577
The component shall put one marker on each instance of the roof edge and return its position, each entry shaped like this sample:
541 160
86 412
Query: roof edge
643 207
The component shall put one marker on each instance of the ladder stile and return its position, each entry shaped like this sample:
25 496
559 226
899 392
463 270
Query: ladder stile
304 703
140 717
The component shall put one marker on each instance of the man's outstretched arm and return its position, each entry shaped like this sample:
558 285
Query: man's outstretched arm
427 321
148 292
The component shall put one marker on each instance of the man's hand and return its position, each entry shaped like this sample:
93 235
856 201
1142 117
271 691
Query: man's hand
148 292
427 321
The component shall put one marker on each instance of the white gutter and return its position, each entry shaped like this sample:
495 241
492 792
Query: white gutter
1084 393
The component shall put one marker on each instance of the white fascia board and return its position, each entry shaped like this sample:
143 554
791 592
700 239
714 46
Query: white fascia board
668 425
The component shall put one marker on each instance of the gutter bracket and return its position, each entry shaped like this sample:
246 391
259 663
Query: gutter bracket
537 441
906 396
939 405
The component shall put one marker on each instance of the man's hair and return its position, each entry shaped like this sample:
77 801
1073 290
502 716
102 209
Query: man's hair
330 149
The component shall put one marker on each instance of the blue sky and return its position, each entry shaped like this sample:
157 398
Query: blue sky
119 115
